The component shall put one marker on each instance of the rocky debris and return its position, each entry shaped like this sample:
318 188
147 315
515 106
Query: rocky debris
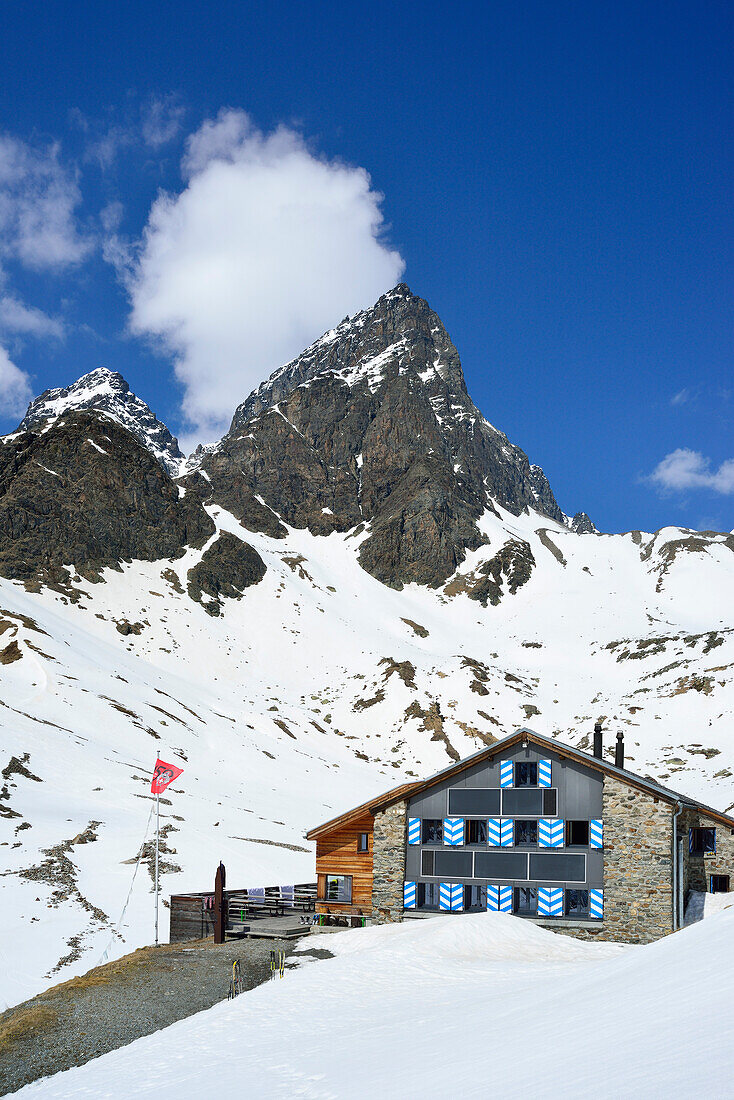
86 492
373 424
10 653
416 628
124 627
404 669
226 569
514 562
107 392
432 722
547 542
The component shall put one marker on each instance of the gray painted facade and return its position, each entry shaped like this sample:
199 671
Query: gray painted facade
575 794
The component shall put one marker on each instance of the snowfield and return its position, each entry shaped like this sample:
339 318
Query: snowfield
318 689
470 1005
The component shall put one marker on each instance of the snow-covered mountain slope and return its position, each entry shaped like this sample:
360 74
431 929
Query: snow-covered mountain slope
317 689
361 582
396 1004
108 392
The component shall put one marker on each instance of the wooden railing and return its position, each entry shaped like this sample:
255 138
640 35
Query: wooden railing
193 916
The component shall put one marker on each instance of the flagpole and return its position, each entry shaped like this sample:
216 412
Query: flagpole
157 834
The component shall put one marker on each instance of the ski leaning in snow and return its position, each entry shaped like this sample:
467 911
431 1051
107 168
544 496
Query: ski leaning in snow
163 775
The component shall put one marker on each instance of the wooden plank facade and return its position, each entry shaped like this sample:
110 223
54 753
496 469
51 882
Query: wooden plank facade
338 854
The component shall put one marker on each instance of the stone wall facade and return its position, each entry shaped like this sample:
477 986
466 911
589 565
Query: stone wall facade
388 863
638 864
697 870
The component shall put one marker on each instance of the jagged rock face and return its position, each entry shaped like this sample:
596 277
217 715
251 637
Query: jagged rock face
226 569
108 392
373 425
83 492
582 525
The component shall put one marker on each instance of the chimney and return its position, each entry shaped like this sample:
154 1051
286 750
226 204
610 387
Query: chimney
597 740
619 751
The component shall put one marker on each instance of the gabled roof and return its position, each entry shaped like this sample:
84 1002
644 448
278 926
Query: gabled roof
408 790
405 790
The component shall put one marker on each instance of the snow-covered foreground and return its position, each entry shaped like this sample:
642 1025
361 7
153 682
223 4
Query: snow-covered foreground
472 1005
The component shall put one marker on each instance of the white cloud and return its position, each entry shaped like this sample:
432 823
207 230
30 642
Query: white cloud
15 390
266 247
686 469
38 199
23 320
681 398
162 120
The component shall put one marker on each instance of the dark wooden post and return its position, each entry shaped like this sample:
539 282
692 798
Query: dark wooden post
220 904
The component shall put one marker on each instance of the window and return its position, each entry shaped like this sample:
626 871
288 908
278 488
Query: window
427 895
577 903
475 897
719 884
338 888
701 841
469 801
363 842
550 802
558 866
522 802
526 901
577 834
526 773
432 831
476 832
526 832
453 864
427 861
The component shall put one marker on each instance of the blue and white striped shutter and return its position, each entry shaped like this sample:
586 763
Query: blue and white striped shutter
494 832
505 773
507 832
596 904
453 831
457 897
499 899
596 833
544 773
550 832
414 830
444 896
690 840
408 895
550 902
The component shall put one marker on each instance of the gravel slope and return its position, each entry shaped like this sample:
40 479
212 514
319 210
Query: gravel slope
119 1002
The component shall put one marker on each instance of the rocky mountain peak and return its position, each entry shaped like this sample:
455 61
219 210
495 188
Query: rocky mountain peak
107 392
372 427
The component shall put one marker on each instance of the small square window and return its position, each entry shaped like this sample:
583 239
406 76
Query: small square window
427 895
577 903
526 901
719 884
526 832
432 831
702 841
526 773
338 888
476 832
475 897
577 834
363 842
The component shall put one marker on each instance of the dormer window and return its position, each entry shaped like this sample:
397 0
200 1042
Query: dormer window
526 773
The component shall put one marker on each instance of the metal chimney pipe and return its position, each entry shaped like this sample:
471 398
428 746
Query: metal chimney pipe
619 751
597 741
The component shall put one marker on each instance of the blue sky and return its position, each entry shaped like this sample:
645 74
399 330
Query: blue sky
190 192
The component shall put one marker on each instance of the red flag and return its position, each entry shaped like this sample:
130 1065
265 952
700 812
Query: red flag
163 775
